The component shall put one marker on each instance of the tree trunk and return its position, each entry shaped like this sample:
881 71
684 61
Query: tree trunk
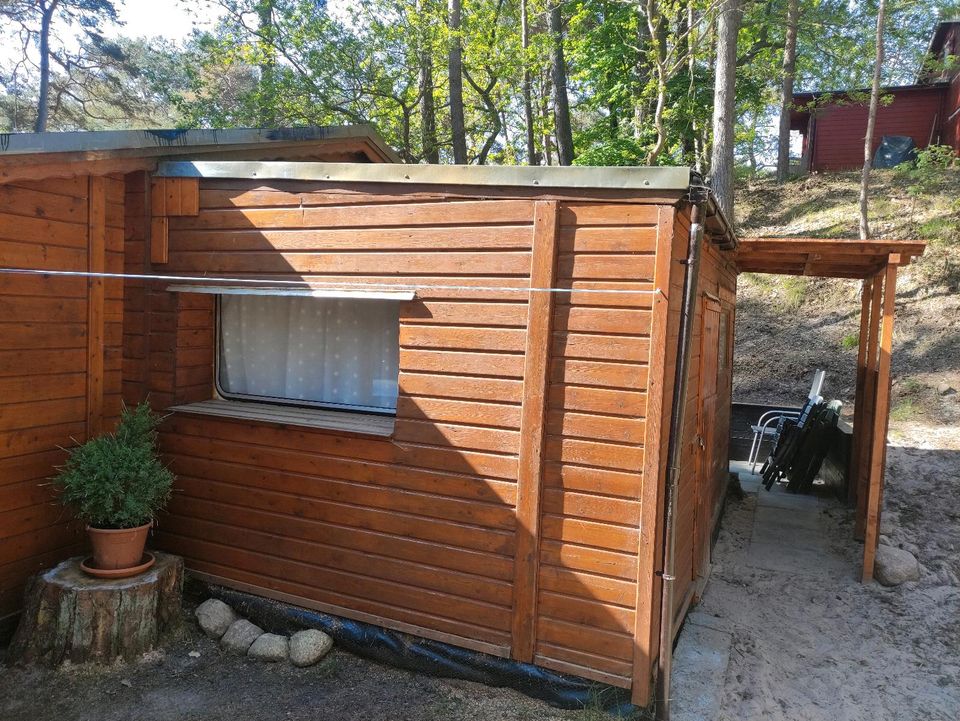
658 37
558 72
642 75
545 92
724 110
267 93
533 158
428 114
455 72
871 124
70 616
43 97
786 90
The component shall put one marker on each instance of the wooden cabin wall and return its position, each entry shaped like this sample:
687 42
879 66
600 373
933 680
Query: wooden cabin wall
704 468
419 532
60 357
596 424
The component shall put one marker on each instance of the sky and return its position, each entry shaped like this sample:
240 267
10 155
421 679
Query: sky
172 19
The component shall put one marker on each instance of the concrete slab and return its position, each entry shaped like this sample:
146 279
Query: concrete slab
779 498
798 561
789 518
790 528
699 670
789 537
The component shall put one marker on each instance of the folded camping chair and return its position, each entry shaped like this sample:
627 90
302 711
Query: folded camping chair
813 449
772 423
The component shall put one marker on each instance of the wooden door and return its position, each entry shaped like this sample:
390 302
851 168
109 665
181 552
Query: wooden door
706 463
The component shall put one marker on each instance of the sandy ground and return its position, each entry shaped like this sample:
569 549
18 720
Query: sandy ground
821 646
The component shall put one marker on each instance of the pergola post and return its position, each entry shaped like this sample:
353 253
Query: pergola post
857 440
869 402
880 421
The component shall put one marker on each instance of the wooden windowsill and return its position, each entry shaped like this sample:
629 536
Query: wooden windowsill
367 424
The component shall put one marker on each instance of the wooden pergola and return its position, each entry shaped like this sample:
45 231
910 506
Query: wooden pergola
875 262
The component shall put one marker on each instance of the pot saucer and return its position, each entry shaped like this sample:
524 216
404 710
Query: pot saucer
147 560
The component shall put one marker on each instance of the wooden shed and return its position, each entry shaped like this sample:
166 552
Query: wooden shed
442 400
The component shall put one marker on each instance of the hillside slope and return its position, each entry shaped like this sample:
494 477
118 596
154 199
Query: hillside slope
787 327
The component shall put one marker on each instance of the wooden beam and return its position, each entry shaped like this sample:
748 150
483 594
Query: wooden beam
96 257
869 404
159 240
856 451
646 632
18 171
748 246
881 423
189 196
530 462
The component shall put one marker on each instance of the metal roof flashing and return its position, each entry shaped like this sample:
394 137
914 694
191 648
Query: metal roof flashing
629 178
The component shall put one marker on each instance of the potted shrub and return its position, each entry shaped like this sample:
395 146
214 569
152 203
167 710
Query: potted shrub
117 483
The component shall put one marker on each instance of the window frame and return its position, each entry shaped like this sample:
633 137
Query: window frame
288 402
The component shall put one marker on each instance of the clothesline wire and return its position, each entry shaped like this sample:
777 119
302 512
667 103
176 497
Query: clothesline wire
320 283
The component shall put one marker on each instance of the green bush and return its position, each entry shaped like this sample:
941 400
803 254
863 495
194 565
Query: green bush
117 480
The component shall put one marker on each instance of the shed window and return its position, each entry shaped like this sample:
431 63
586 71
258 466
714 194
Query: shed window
328 352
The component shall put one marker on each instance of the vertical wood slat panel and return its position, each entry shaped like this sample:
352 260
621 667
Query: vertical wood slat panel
530 462
96 256
881 421
646 625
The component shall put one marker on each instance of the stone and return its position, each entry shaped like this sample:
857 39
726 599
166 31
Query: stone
308 647
240 636
215 617
270 647
894 566
945 389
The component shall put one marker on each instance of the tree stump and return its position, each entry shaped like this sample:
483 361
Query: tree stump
70 616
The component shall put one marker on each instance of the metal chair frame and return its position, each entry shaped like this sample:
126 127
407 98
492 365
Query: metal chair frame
761 429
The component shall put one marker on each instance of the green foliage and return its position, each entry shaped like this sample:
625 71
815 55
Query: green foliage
851 340
924 175
117 480
936 157
794 291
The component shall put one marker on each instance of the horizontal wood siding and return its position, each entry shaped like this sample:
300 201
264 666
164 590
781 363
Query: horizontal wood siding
418 531
841 129
596 419
43 362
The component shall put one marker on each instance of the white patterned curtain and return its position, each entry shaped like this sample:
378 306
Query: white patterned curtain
321 350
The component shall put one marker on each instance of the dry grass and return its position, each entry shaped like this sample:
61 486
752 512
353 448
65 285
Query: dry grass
787 326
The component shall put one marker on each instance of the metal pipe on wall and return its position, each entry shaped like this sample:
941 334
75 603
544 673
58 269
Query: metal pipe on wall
675 450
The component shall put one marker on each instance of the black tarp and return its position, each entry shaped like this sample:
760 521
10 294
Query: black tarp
893 150
425 656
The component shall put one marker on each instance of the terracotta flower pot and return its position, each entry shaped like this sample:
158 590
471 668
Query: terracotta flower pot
116 548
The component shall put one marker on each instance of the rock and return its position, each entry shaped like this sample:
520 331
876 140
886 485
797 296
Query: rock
240 636
945 389
269 647
894 566
215 617
308 647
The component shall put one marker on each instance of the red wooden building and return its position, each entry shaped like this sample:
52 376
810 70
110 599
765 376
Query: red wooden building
833 124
